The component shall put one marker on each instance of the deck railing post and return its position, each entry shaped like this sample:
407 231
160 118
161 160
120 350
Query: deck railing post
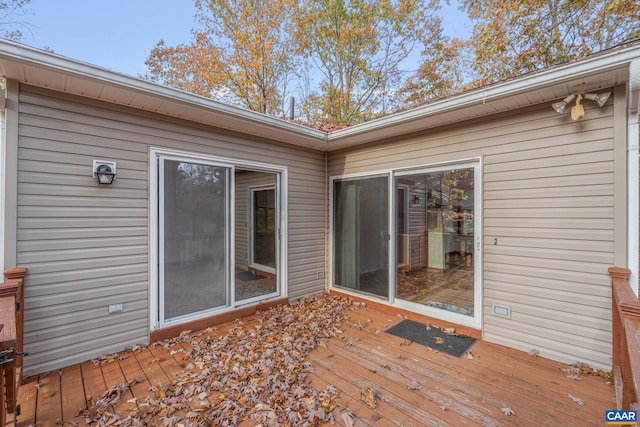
18 273
625 319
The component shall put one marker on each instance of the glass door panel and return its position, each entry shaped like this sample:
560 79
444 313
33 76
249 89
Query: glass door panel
194 238
438 250
361 234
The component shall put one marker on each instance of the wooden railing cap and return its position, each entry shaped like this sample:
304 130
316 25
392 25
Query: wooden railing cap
15 273
619 272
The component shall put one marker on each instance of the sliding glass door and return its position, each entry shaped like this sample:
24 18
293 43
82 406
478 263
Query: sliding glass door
194 235
431 216
217 235
361 234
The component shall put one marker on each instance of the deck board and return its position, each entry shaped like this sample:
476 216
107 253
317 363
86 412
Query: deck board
133 374
151 367
113 376
93 381
534 388
48 403
454 391
28 394
352 387
431 397
74 401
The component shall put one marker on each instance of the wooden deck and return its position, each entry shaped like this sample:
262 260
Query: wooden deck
452 391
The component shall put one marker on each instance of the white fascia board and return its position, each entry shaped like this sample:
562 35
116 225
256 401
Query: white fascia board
29 56
617 59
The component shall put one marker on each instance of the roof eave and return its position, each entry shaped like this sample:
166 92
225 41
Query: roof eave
561 78
175 102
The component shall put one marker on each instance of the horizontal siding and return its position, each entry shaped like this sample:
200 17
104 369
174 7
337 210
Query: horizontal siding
491 139
548 220
86 246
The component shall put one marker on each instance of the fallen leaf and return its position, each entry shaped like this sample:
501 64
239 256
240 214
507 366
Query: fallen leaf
534 353
507 411
414 385
258 373
368 397
576 399
348 419
439 340
469 355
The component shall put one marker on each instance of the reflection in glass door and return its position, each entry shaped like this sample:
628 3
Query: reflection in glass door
194 237
263 225
361 234
438 250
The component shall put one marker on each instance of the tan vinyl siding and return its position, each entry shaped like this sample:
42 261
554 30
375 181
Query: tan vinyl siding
548 200
87 246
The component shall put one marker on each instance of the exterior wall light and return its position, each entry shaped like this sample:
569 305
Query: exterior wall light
104 172
600 99
577 111
560 105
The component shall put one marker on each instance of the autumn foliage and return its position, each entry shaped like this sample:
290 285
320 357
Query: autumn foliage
345 61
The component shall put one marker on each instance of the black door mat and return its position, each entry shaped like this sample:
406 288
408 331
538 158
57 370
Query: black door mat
432 337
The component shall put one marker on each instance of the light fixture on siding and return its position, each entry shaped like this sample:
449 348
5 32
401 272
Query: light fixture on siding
560 105
577 111
104 171
600 99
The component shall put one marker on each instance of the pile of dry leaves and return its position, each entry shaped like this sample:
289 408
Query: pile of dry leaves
257 373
